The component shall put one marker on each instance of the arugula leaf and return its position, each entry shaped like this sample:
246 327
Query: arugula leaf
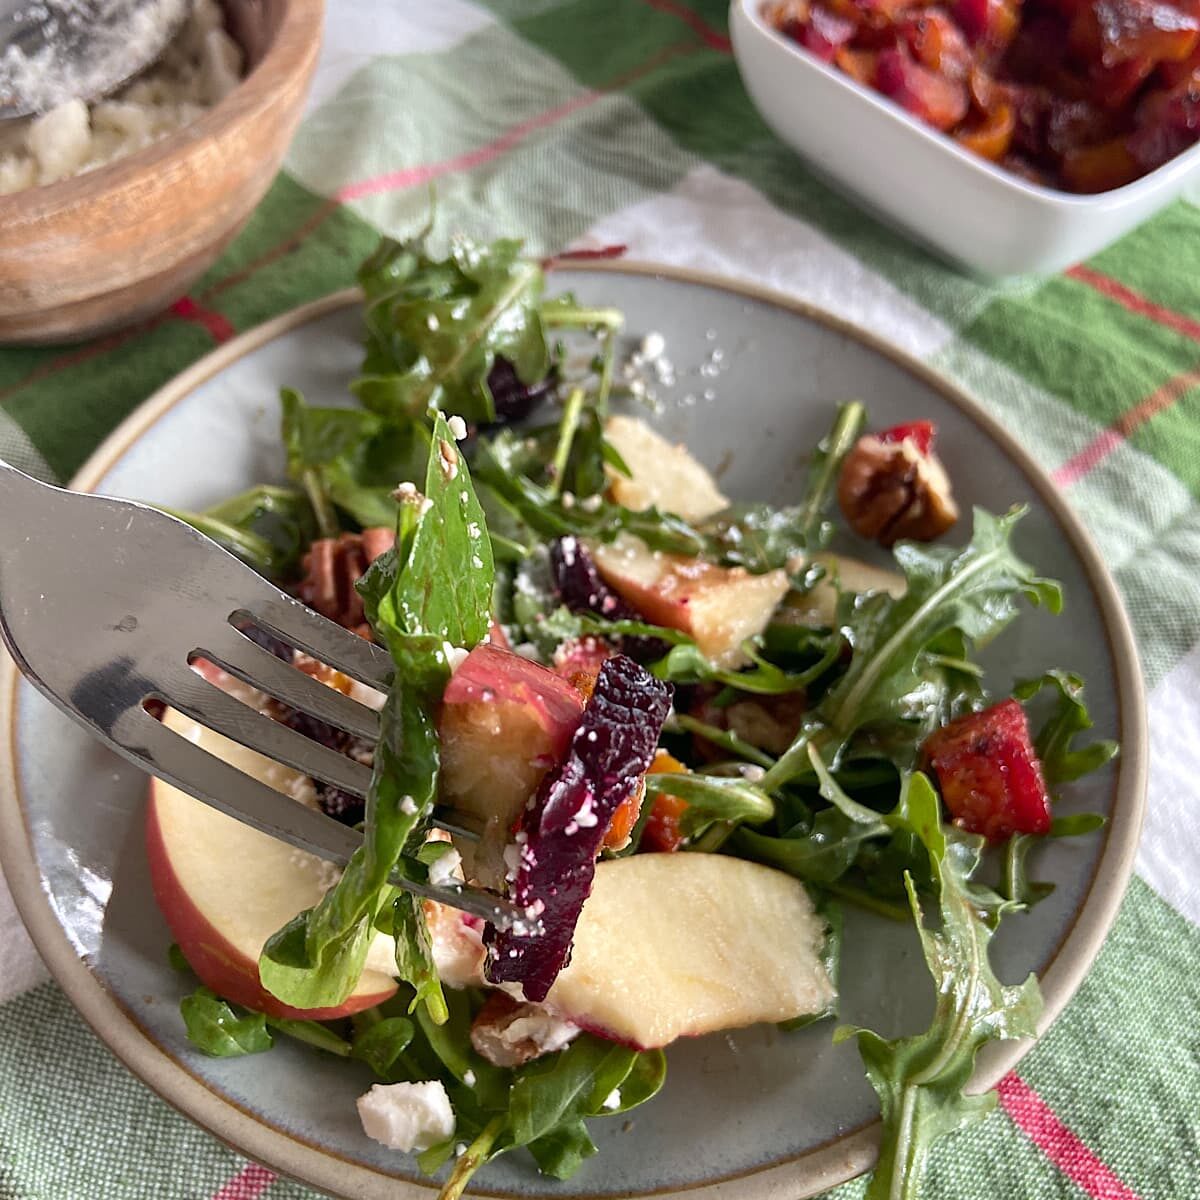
971 591
713 798
214 1028
920 1079
761 537
1061 762
350 460
432 591
908 675
270 528
436 326
382 1043
685 663
501 461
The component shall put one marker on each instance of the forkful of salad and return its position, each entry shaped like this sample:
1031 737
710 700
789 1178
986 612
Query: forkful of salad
107 606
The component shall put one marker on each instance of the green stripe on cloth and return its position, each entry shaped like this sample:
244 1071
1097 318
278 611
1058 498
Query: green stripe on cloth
1103 360
1120 1065
522 150
75 1125
66 399
701 102
1160 259
1146 522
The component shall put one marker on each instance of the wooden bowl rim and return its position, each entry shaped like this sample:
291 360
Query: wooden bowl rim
295 42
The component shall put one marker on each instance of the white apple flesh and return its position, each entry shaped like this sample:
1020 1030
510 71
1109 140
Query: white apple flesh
678 945
718 606
225 888
662 474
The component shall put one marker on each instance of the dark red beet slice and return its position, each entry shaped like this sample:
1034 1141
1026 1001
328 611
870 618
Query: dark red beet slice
582 590
562 828
514 400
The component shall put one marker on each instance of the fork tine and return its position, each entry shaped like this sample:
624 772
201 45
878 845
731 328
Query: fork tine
252 664
204 702
299 625
161 751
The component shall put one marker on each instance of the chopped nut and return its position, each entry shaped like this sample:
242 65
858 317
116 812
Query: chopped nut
509 1032
333 566
890 490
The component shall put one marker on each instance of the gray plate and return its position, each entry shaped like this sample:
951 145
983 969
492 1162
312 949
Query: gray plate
754 1114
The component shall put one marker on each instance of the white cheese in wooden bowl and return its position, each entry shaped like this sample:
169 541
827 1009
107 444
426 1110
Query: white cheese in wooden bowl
199 69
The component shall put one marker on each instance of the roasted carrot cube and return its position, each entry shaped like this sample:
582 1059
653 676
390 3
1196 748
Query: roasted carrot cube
663 831
989 774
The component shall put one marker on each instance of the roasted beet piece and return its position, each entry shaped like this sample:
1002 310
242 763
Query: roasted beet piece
989 773
333 802
514 400
562 829
583 591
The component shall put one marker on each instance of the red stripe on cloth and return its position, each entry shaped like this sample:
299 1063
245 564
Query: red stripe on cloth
1104 443
584 254
408 177
712 37
217 325
1135 302
1038 1121
248 1184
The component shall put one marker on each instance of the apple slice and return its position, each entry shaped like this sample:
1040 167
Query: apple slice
819 606
676 945
563 827
225 888
718 606
662 474
505 721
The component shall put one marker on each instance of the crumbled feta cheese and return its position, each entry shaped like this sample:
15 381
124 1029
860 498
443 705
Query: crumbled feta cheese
406 492
543 1028
469 1077
407 1116
613 1100
653 344
446 869
458 428
408 806
455 656
367 695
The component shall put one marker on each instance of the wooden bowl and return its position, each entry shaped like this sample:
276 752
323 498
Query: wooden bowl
103 250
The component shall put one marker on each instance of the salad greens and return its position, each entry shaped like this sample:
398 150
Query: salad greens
842 802
429 594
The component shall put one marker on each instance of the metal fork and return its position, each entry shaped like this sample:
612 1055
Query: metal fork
105 603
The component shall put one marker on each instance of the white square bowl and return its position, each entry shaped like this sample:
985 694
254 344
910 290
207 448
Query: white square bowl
914 177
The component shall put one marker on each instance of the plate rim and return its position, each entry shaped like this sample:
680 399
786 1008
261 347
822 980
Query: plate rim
824 1166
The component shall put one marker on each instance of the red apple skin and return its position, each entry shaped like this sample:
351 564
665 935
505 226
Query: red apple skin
504 722
220 965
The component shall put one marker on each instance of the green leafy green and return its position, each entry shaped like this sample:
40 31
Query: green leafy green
760 537
904 679
430 593
350 461
713 798
436 326
1061 761
920 1079
214 1028
270 528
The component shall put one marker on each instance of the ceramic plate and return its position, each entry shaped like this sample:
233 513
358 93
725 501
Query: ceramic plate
750 1116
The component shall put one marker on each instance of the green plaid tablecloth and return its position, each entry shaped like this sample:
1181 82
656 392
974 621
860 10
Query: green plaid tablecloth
623 122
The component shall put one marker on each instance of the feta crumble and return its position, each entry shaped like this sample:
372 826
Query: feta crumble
446 870
407 1116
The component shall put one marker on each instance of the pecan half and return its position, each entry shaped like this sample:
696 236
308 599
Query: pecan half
510 1032
889 490
333 566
